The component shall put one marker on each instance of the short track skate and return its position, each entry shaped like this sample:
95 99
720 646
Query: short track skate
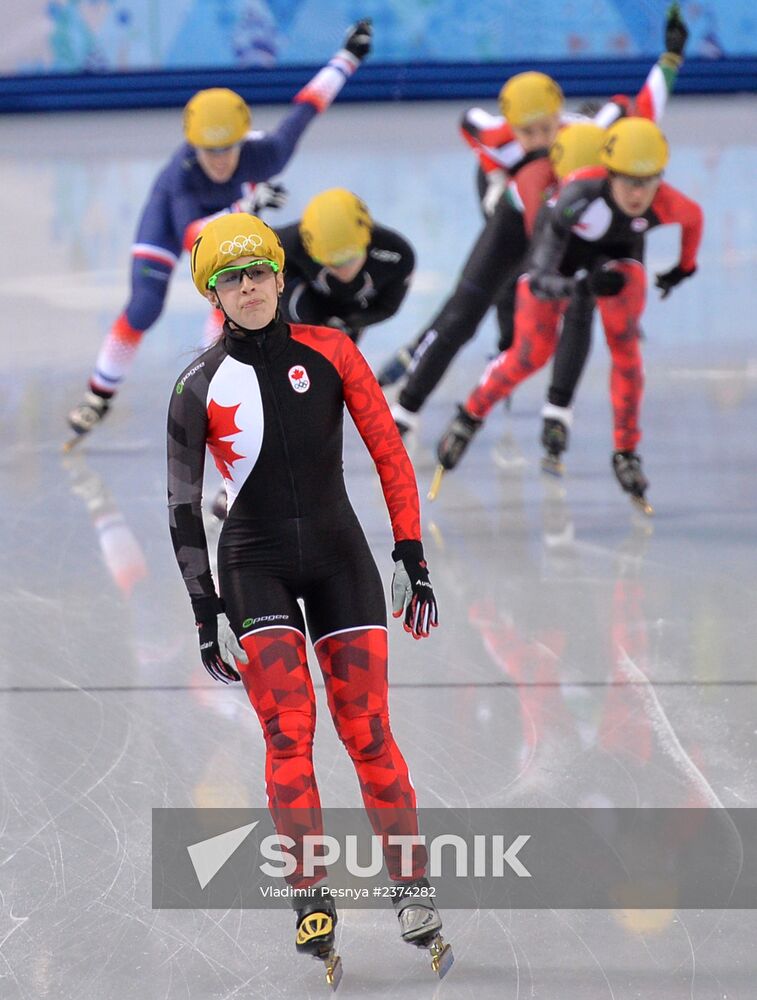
452 446
627 468
333 965
420 924
84 417
436 482
642 504
554 438
315 936
442 958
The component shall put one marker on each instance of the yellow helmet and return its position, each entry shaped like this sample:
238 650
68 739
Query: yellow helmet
577 145
529 96
229 237
335 227
216 118
635 147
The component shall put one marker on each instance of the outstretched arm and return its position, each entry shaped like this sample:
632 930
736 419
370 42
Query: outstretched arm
492 139
652 99
653 96
321 91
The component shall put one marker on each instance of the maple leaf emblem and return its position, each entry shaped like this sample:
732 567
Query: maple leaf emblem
297 373
222 425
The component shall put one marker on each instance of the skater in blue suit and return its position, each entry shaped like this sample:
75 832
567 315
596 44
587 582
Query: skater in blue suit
221 167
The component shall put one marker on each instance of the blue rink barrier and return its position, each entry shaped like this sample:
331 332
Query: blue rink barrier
374 82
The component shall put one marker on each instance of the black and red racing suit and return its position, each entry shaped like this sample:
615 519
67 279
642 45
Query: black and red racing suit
269 406
584 229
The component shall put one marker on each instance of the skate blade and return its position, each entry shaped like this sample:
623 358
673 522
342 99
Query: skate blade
552 466
333 969
642 504
69 445
436 483
442 958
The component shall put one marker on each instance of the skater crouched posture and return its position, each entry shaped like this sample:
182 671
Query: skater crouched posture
268 401
592 244
220 168
514 143
343 269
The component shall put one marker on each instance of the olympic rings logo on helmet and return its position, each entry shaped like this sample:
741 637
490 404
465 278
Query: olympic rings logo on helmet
240 244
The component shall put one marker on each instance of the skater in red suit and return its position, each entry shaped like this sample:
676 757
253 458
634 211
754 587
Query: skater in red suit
591 245
532 117
268 401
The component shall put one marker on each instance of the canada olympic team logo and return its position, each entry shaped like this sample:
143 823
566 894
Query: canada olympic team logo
639 224
242 244
299 379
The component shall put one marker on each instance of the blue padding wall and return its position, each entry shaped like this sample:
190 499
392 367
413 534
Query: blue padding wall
387 82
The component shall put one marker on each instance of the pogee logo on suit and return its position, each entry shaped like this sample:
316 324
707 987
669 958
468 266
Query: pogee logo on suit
299 378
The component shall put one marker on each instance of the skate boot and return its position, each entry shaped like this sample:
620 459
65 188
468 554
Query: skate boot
555 433
405 421
452 445
554 438
420 922
395 368
85 416
316 921
456 438
627 468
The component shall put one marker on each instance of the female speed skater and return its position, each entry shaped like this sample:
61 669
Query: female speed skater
268 401
344 269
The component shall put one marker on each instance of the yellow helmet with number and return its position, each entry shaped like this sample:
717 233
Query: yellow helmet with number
527 97
226 239
216 118
635 147
335 227
577 145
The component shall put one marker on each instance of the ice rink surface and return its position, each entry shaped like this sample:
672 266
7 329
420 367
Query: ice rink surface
585 656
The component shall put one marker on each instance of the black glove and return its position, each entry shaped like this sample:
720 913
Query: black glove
359 39
602 281
219 647
676 31
411 589
669 279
